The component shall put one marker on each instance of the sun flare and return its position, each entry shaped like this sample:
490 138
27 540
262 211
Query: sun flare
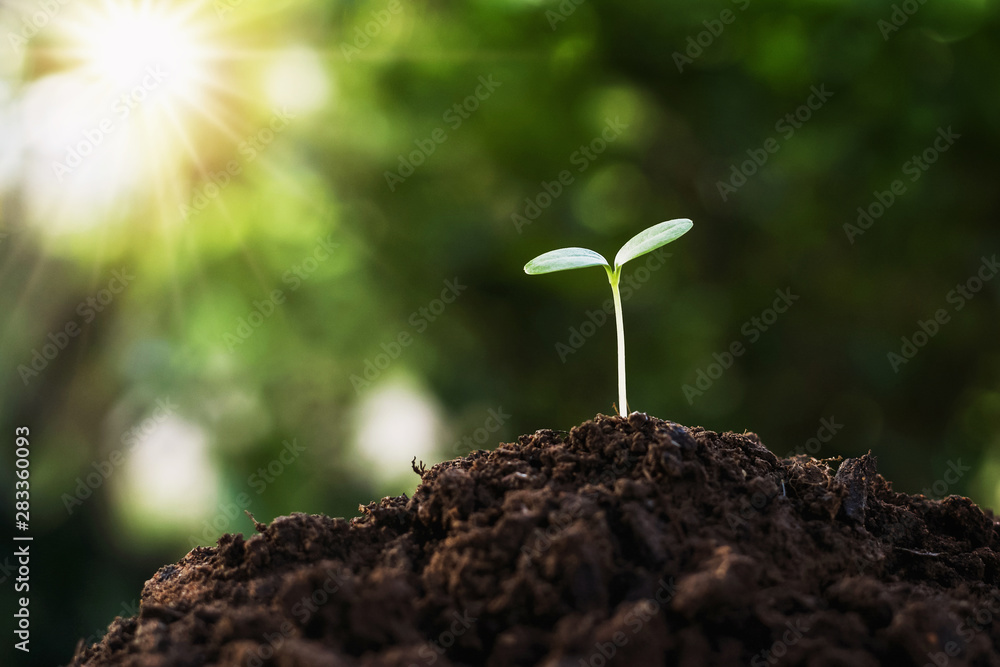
125 43
125 109
133 102
128 47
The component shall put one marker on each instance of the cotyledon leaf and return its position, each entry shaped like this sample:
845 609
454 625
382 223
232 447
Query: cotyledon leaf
652 238
562 259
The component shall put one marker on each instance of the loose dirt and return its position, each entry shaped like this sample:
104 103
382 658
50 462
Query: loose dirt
623 542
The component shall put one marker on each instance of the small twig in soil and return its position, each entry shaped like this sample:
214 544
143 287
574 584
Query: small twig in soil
932 554
258 526
421 470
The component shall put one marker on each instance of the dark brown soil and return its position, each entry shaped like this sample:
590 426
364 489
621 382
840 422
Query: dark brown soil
626 541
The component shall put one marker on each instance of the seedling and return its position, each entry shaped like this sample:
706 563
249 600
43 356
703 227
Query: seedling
645 241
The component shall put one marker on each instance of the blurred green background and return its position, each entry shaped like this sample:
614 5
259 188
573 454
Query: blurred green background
260 256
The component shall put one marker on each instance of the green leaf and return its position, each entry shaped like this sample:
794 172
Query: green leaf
562 259
652 238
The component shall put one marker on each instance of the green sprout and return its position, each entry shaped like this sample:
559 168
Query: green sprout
645 241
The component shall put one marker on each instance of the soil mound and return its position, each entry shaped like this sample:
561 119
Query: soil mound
623 542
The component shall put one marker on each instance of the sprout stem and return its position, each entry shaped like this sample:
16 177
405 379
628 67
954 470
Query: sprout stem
613 277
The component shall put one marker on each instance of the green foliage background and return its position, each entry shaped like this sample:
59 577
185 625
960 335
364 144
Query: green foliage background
495 346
